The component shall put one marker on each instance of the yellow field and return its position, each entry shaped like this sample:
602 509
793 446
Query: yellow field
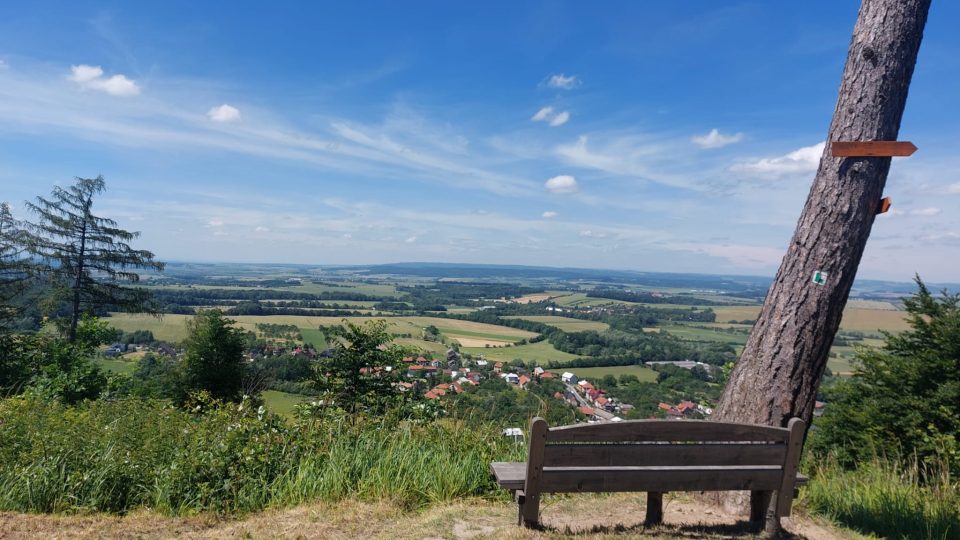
173 327
531 298
564 323
854 319
478 342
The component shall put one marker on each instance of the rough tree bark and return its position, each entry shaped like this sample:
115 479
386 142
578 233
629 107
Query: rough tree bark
779 371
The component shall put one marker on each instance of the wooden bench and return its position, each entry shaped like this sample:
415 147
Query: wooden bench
658 456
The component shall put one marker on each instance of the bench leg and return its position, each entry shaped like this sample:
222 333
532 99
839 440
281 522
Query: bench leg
654 508
529 507
763 513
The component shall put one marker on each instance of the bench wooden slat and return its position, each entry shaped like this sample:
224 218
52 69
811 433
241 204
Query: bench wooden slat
510 474
660 479
660 430
650 454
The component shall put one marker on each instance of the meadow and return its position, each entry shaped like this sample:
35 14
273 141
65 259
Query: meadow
645 374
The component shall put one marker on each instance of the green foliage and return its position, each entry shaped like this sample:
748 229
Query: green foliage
213 356
89 256
904 399
118 456
360 375
886 498
52 368
496 401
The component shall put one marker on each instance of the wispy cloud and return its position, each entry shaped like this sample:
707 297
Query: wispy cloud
543 114
549 115
926 212
224 113
549 214
91 77
563 82
560 119
561 184
802 160
715 139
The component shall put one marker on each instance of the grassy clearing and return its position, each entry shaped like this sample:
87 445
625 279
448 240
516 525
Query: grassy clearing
315 337
116 365
581 300
540 352
170 328
886 499
564 323
282 403
645 374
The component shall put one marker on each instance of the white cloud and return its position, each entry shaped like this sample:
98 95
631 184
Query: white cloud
262 229
562 81
548 114
411 240
588 233
562 184
926 212
954 188
224 113
802 160
560 119
715 139
543 114
91 77
738 255
347 236
215 222
549 214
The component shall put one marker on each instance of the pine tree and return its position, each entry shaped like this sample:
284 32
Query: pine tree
15 265
213 356
88 257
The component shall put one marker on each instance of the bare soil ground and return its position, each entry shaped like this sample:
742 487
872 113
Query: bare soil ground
583 516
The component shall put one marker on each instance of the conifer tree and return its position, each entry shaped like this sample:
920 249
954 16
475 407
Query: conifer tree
15 265
88 257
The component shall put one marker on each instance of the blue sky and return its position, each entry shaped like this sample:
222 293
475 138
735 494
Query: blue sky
649 136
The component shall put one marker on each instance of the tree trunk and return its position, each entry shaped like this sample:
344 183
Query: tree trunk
779 371
78 279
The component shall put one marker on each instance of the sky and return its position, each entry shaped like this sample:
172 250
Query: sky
670 136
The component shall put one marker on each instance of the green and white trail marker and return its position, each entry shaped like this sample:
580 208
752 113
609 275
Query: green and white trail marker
819 277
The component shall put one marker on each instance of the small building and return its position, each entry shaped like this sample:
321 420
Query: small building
511 378
569 378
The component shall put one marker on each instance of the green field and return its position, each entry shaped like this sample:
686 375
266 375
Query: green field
281 403
315 337
116 365
580 300
691 333
643 373
540 352
564 323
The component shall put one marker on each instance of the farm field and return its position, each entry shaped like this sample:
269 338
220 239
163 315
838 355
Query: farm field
581 300
540 352
173 327
645 374
531 298
564 323
854 318
314 337
692 333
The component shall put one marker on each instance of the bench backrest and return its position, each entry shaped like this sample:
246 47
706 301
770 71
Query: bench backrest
607 456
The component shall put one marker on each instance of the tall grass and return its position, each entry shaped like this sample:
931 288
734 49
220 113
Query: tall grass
123 455
887 498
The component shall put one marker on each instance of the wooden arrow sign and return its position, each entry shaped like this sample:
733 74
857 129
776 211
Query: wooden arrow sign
872 148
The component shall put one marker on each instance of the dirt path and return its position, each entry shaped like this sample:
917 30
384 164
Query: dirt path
593 517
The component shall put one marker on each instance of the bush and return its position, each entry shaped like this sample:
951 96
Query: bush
117 456
887 498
